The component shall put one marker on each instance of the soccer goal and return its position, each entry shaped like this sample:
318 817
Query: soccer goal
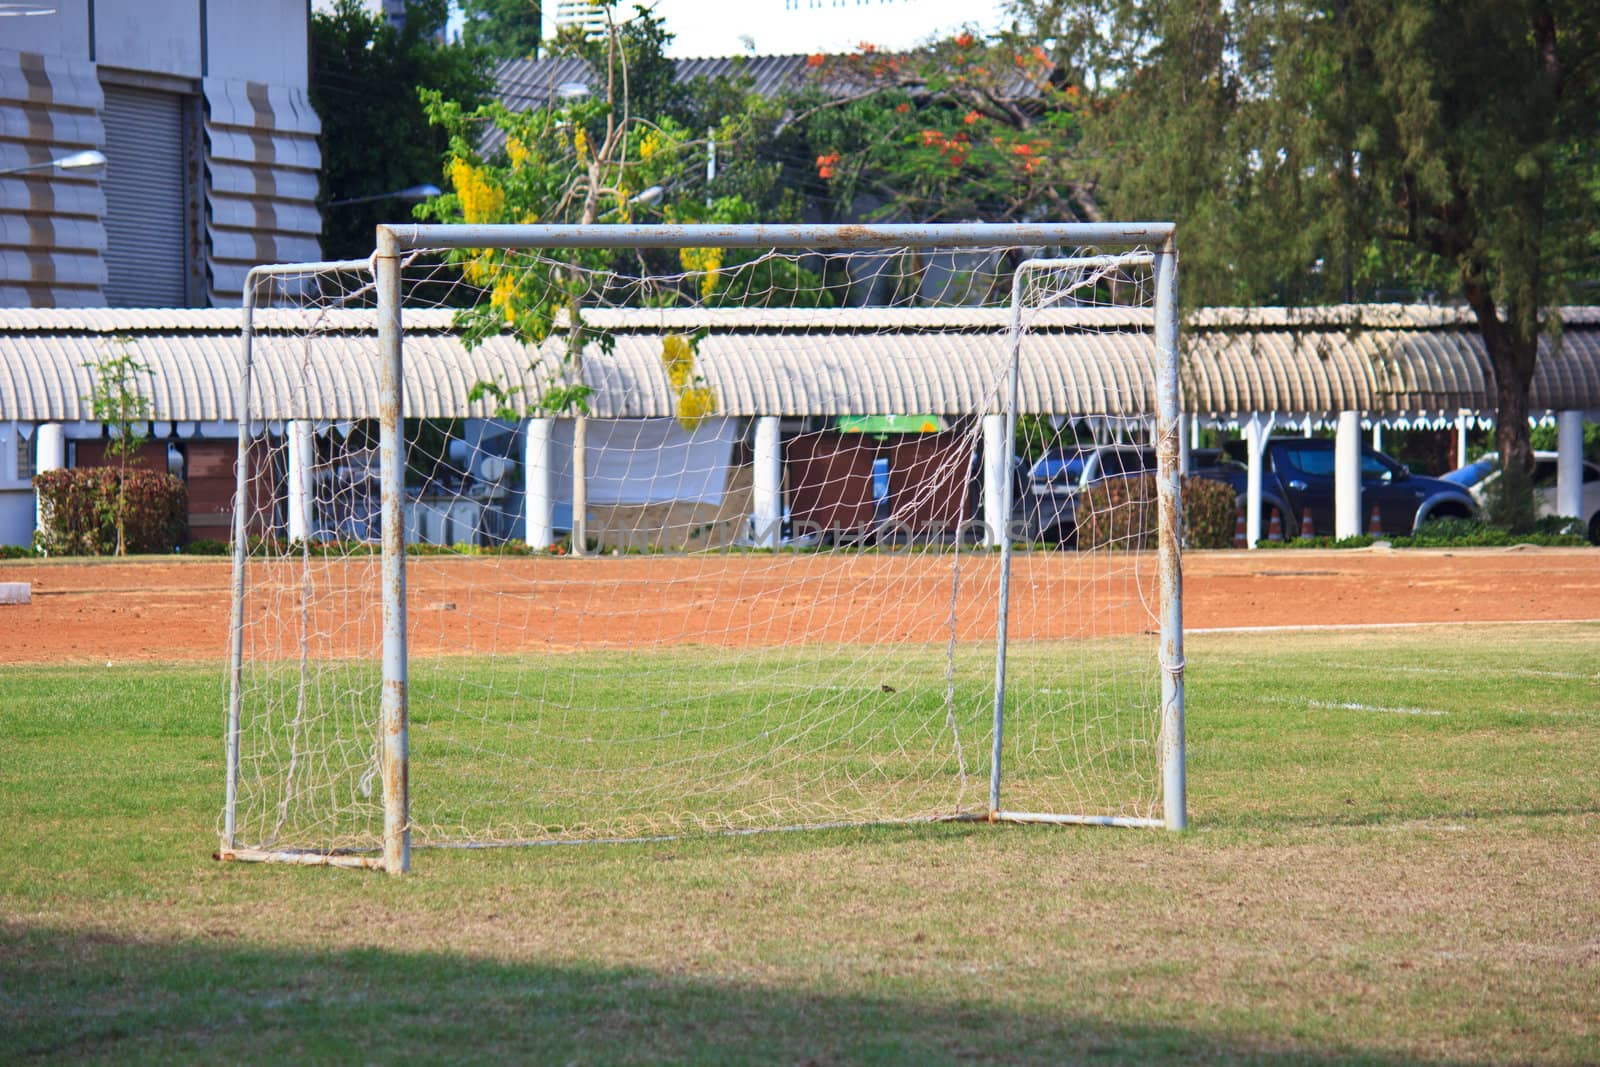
603 533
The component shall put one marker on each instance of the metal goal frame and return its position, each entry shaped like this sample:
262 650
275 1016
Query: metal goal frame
396 241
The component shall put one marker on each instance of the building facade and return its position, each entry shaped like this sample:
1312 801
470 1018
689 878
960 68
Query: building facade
201 111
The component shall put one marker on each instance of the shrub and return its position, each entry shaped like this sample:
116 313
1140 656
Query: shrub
208 546
1209 513
1121 513
1118 513
1460 533
78 510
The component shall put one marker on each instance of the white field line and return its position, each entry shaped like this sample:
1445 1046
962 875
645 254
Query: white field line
1335 705
1520 672
1314 626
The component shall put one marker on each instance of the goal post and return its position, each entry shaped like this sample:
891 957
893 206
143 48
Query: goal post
563 726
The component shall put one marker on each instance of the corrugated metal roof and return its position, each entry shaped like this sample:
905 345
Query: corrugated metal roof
262 161
524 84
529 83
828 362
51 236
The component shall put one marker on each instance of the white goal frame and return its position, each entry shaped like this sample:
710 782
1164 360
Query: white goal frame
396 242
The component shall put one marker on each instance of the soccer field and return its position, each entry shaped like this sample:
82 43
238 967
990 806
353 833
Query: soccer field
1393 856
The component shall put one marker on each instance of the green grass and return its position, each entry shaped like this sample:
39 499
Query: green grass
1393 860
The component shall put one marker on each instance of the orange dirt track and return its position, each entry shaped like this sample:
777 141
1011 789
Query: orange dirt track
94 611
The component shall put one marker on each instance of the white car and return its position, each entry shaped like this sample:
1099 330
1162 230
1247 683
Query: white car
1477 476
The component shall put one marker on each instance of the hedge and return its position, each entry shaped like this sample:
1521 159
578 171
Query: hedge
1121 513
78 510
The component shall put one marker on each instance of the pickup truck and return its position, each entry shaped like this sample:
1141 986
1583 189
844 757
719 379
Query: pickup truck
1297 473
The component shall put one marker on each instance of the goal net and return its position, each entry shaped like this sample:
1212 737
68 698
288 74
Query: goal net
643 542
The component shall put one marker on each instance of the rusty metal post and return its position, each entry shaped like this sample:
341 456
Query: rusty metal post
241 552
1169 554
392 456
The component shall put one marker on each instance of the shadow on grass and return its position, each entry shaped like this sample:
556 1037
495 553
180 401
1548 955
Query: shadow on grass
76 996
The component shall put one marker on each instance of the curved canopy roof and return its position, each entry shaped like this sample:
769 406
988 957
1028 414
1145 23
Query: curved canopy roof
852 361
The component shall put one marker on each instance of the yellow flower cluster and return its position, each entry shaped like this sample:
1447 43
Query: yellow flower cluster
652 143
517 151
480 268
706 260
694 405
677 355
503 296
580 144
695 401
481 199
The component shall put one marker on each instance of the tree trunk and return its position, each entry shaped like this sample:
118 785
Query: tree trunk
1513 353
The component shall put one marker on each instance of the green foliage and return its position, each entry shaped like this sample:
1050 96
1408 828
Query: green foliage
1118 513
1312 150
633 152
505 29
1551 531
1210 513
117 401
1509 502
96 511
1121 513
1543 439
18 552
963 128
376 137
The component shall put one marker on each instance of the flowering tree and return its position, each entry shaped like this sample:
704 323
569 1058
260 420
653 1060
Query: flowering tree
967 128
602 159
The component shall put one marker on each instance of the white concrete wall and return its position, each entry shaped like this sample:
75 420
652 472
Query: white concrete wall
160 38
238 29
252 40
64 32
16 488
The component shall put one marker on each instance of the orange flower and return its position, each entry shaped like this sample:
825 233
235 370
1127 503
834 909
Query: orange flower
901 109
1021 149
964 41
815 59
826 165
971 117
931 137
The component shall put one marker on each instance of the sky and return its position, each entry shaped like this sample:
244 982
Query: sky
780 27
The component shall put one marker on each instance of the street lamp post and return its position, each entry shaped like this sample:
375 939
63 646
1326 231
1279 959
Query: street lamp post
411 193
76 161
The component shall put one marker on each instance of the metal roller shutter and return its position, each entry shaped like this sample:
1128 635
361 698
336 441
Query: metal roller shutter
145 198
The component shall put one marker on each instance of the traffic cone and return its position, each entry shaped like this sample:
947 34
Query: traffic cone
1306 529
1239 538
1375 523
1275 527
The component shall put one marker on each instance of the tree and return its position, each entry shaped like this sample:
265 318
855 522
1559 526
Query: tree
505 29
117 401
598 158
376 137
1313 148
964 128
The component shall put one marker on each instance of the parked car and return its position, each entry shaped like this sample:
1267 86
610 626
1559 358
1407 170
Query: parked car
1298 474
1478 476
